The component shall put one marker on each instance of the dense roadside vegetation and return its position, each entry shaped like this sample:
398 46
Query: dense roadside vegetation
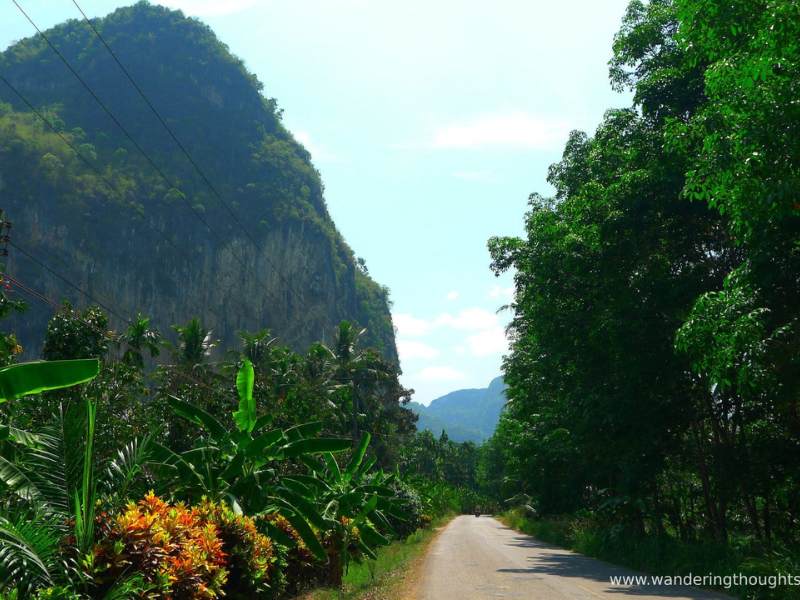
654 376
259 474
393 574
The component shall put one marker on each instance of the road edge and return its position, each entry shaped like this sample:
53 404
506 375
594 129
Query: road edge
407 588
504 520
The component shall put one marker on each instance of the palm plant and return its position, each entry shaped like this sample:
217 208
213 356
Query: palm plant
350 364
47 481
195 343
140 338
256 346
51 489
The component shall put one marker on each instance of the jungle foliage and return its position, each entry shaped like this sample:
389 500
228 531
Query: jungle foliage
654 377
255 475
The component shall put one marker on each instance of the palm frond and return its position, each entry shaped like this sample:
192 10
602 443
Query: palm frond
45 466
130 587
47 473
28 551
23 437
123 471
18 481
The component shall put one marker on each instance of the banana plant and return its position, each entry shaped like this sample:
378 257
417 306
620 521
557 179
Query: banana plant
354 502
240 466
26 379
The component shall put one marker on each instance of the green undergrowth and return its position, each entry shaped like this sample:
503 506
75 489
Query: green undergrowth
383 577
666 555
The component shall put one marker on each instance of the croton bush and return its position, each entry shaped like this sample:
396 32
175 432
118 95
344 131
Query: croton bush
193 552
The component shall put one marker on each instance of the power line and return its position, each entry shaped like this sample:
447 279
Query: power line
30 291
116 121
152 163
165 125
184 150
111 186
68 282
86 161
287 284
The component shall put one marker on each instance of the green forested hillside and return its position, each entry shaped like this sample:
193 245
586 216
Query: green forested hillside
469 415
137 240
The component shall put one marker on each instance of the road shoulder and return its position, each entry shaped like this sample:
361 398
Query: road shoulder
395 575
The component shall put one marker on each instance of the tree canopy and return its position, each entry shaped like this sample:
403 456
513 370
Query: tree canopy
653 375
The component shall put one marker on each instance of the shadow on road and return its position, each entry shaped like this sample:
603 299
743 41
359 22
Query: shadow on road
562 563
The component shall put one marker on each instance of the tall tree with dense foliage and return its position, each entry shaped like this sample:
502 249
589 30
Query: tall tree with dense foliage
654 374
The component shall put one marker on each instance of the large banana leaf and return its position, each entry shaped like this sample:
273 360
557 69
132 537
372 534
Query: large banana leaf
30 378
314 445
333 467
245 417
263 442
358 456
301 506
305 430
371 536
199 417
306 533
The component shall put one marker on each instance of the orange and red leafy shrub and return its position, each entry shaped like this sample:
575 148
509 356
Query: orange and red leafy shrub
201 552
251 556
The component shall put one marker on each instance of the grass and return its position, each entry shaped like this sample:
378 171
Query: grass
390 575
665 555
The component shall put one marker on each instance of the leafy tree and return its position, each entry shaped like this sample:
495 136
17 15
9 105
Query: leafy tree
653 373
72 333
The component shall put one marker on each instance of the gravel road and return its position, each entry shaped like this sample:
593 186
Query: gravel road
478 558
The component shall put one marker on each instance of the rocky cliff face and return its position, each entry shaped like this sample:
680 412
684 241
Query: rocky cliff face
289 284
126 236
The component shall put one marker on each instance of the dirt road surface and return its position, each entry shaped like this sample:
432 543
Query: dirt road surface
480 558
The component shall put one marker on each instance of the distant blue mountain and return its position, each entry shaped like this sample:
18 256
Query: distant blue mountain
466 415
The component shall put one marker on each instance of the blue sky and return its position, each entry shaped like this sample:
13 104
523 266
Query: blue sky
431 121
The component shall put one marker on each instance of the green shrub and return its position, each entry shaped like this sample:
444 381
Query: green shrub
413 507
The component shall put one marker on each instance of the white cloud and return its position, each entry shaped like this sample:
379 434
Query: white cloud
488 342
470 319
453 295
209 8
515 129
440 374
408 325
410 349
506 293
